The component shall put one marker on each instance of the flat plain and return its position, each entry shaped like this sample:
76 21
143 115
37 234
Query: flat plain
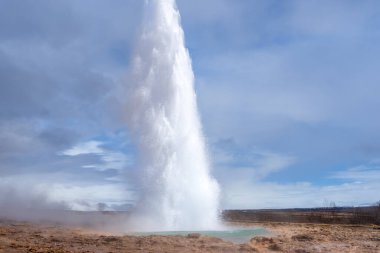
298 237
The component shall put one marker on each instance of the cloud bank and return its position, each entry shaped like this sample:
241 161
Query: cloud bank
287 93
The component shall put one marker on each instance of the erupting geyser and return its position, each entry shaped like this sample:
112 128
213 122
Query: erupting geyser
177 191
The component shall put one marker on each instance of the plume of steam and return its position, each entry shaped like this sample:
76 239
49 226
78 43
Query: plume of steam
25 203
176 189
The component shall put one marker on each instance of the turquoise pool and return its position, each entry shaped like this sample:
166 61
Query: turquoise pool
236 235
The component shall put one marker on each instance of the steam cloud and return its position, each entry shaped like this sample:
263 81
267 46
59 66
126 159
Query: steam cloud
177 191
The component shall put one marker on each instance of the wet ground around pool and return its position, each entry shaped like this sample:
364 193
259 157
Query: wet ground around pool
285 237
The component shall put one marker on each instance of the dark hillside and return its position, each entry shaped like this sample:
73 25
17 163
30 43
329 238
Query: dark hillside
335 215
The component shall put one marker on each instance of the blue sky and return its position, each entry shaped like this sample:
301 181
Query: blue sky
287 92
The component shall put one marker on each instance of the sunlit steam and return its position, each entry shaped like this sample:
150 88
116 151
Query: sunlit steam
177 191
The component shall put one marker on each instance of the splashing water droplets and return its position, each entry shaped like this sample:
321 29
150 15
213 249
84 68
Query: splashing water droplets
177 191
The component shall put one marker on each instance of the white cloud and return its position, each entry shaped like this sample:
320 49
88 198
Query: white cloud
361 173
232 162
109 159
114 160
361 188
90 147
270 163
86 197
58 191
302 194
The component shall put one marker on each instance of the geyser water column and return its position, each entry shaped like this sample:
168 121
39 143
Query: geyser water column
176 189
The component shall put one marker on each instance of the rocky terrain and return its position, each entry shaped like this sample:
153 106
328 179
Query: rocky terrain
291 230
303 238
285 237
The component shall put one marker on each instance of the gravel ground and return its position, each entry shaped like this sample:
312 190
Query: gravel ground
286 237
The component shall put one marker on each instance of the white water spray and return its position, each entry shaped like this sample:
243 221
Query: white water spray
177 191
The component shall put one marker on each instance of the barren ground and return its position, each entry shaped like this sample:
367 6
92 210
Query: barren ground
287 237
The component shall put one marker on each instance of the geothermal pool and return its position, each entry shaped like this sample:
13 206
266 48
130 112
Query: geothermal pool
236 235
